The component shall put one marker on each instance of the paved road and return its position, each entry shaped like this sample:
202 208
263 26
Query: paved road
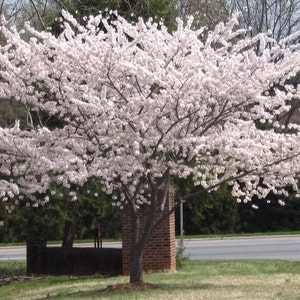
284 247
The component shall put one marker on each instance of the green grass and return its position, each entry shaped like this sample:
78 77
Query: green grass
210 280
12 268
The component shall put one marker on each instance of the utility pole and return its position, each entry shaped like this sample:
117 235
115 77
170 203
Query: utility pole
181 221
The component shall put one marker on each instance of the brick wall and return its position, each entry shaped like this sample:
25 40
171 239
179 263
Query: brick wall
160 251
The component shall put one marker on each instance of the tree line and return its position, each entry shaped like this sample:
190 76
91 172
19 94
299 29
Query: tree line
215 213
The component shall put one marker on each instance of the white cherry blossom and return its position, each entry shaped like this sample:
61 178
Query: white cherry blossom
139 105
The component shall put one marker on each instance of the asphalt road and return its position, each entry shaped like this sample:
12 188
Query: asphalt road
271 247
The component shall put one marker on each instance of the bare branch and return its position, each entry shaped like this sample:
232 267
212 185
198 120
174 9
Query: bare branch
38 14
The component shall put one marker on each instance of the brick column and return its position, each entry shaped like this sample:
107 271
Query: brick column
160 251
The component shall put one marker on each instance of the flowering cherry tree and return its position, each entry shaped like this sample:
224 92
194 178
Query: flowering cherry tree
139 106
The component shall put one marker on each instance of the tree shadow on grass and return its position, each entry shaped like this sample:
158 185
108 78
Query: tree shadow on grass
118 288
127 288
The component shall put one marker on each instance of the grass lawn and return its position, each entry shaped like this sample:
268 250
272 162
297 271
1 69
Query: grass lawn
213 280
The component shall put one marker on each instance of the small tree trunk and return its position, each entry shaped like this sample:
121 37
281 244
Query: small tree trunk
69 234
136 265
139 238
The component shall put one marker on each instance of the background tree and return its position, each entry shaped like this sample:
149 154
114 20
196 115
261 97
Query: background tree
38 12
213 213
278 18
131 9
206 13
25 220
275 213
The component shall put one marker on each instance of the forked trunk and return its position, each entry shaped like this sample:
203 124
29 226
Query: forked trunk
142 230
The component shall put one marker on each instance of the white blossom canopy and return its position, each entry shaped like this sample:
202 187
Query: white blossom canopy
140 105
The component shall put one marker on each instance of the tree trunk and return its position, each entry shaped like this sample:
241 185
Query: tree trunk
136 265
141 233
69 234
